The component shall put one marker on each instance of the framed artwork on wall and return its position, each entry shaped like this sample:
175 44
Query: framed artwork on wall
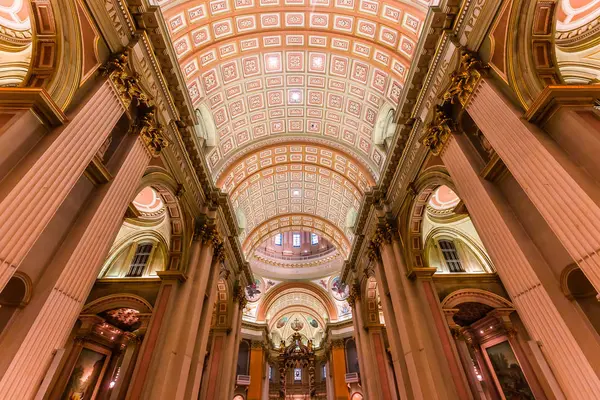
506 370
87 373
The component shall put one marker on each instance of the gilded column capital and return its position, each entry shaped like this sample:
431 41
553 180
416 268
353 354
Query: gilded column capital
151 132
240 295
125 83
129 90
438 131
354 294
337 344
464 79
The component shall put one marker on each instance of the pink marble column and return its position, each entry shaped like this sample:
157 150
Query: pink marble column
197 369
400 369
42 181
536 309
51 327
565 197
428 370
378 354
367 378
160 317
424 276
172 366
229 370
211 386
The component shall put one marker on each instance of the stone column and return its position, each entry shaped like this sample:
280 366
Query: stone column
157 330
46 322
359 332
338 370
398 361
565 196
225 346
174 364
233 346
127 367
490 386
465 358
377 353
499 231
257 358
328 381
195 378
424 276
211 389
32 193
265 390
428 370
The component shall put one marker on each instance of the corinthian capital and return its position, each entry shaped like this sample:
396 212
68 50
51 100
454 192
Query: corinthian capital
438 131
464 79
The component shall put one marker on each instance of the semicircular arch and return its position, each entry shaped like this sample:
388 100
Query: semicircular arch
292 287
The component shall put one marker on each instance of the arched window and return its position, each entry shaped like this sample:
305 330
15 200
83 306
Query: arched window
451 256
314 239
296 240
140 259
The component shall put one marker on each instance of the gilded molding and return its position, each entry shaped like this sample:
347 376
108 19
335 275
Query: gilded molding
129 90
209 233
464 79
240 295
438 131
354 294
383 234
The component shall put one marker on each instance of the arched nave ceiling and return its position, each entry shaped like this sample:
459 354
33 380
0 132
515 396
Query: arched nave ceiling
294 88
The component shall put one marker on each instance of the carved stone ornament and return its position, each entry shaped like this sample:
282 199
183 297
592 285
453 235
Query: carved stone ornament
372 252
129 91
337 343
126 85
464 80
240 295
354 294
208 233
438 131
383 234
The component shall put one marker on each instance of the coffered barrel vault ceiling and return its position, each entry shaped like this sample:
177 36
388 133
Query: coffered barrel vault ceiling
295 88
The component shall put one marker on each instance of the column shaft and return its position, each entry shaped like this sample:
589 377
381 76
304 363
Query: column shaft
427 368
179 364
338 372
151 344
535 307
61 308
400 369
29 201
256 373
369 378
195 377
558 189
358 332
378 356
